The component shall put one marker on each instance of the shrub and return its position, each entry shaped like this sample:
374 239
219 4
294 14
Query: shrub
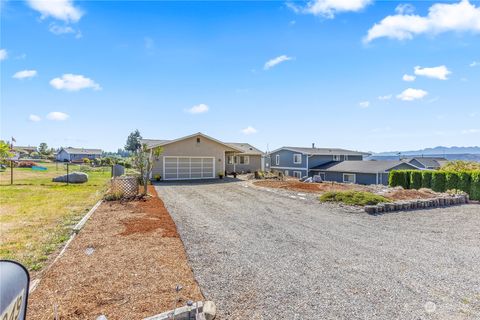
460 165
113 196
26 164
452 180
416 179
398 178
465 179
427 179
438 181
475 185
86 160
355 198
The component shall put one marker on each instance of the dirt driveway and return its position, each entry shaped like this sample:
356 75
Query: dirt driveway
265 255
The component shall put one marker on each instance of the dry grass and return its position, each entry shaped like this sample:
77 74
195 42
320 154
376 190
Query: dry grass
37 214
138 260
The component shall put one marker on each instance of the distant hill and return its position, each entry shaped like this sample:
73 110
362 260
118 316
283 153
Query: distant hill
437 151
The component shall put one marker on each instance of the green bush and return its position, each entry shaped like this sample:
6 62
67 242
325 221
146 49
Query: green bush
398 178
465 179
427 179
416 179
452 180
475 185
438 181
354 198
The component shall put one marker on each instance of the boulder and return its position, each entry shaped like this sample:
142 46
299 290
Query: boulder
74 177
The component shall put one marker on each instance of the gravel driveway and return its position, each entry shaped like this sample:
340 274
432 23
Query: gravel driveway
265 255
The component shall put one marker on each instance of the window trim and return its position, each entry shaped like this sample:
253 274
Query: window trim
246 160
336 157
286 173
345 157
299 174
297 154
349 174
277 159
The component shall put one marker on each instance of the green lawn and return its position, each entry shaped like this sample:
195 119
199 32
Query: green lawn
36 214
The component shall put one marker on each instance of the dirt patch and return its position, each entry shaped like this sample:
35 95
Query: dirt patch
309 187
124 264
410 194
155 217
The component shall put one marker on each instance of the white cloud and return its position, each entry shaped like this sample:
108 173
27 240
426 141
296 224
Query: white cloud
199 108
474 64
74 82
442 17
409 78
440 72
58 9
249 130
412 94
25 74
57 116
34 118
405 8
3 54
273 62
470 131
328 8
364 104
385 97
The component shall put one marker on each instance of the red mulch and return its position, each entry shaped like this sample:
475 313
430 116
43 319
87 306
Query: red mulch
308 187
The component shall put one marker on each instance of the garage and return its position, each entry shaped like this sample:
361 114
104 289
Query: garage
186 168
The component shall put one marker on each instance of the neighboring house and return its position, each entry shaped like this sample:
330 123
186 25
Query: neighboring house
361 172
427 162
199 156
77 154
25 150
249 160
298 162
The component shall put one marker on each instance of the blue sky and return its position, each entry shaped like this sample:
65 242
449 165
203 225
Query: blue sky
274 73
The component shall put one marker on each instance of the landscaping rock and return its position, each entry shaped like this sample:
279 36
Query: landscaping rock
74 177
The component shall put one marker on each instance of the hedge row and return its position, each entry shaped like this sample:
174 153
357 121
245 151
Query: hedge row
439 181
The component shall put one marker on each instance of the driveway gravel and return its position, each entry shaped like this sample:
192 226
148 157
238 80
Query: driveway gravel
261 254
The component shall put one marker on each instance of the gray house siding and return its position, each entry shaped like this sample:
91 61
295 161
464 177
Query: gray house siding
63 156
255 164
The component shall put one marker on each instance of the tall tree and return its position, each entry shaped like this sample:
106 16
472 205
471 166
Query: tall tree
133 141
43 148
5 150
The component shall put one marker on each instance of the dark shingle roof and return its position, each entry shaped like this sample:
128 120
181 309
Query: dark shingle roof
246 148
83 151
428 162
326 151
370 166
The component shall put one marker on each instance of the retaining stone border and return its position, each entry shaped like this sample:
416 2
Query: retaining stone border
417 204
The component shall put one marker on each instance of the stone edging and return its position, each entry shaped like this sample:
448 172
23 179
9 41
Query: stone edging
416 204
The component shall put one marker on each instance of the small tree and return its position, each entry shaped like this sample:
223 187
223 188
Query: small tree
43 149
133 141
5 152
143 160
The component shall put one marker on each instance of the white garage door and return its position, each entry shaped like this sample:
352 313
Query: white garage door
184 168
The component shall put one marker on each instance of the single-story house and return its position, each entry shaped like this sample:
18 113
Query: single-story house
361 172
199 156
298 162
249 160
433 163
77 154
25 150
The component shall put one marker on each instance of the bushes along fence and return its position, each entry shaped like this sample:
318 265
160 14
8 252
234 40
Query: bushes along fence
439 181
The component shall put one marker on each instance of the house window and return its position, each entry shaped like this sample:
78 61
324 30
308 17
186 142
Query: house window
244 159
297 174
277 159
285 172
230 160
297 158
336 157
349 178
345 157
198 140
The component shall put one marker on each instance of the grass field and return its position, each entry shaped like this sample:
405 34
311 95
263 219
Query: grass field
36 214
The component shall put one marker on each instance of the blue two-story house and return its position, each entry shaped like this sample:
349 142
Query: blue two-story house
298 162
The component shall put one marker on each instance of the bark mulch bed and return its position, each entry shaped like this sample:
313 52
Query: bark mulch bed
295 185
409 194
136 263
